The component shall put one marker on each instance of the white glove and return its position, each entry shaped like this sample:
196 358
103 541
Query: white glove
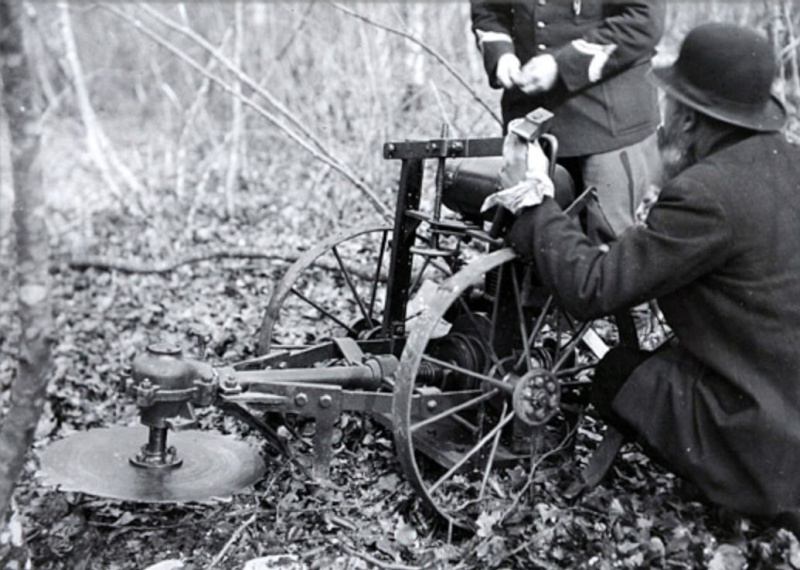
507 71
524 176
530 192
538 75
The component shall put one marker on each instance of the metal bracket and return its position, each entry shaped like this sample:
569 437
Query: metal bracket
443 148
323 402
534 124
350 350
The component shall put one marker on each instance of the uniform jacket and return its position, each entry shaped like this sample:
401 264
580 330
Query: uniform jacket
603 48
721 252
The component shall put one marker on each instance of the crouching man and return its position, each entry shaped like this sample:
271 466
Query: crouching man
720 251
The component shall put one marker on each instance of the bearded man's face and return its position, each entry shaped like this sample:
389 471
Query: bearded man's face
674 142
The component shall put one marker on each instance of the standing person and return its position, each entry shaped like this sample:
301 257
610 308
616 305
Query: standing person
585 61
720 250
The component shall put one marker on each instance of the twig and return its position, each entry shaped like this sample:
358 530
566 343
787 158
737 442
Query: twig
233 68
375 562
208 171
531 472
296 31
234 537
432 52
536 537
439 104
534 466
191 113
321 155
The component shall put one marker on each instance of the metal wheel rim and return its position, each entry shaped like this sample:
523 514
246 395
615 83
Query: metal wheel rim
449 292
305 261
410 361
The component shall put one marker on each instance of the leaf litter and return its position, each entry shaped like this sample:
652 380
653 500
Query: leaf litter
369 517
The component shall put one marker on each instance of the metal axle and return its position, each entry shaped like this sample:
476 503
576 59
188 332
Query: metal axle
155 454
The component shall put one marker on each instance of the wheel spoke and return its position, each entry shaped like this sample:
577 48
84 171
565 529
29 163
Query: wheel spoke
496 304
521 316
374 292
454 410
352 287
567 372
478 446
420 275
364 284
571 345
537 326
322 310
492 454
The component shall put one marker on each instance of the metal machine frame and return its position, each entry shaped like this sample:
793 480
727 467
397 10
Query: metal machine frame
469 379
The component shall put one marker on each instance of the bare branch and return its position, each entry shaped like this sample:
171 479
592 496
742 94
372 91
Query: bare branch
237 115
428 49
163 267
237 534
322 156
243 77
100 148
191 113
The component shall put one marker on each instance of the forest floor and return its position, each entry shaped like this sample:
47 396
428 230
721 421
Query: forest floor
367 516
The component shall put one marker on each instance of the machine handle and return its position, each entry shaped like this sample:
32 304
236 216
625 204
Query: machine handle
531 129
502 219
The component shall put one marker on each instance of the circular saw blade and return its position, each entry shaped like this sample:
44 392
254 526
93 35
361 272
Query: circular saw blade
96 462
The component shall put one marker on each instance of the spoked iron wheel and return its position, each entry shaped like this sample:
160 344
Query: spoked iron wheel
335 289
492 391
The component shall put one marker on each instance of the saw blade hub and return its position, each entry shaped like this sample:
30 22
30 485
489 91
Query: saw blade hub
156 454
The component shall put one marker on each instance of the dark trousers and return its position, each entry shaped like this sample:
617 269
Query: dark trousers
610 375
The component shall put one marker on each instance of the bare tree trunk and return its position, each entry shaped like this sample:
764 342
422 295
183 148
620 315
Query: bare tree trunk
100 149
775 33
29 387
234 164
6 189
415 60
791 54
38 59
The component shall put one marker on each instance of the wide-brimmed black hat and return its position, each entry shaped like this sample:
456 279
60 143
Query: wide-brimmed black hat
726 72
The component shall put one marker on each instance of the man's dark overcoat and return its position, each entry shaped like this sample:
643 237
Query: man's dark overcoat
721 252
599 107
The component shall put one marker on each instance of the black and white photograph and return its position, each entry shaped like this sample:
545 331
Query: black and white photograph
399 284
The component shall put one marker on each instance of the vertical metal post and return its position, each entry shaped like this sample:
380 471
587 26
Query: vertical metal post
437 200
157 442
326 414
408 198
